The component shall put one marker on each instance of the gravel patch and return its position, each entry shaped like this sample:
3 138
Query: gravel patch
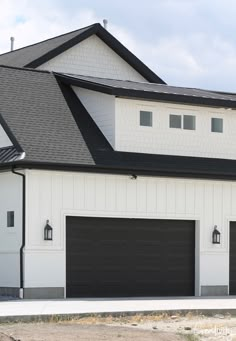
148 327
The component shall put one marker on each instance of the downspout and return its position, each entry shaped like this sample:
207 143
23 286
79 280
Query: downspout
21 293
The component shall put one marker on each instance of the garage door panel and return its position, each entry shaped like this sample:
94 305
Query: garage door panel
129 257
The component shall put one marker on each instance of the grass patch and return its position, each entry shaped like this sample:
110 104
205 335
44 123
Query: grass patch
191 337
104 318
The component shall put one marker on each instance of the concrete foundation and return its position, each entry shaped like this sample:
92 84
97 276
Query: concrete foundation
214 290
43 293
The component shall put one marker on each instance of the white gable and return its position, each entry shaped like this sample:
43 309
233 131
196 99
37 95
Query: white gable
92 57
4 139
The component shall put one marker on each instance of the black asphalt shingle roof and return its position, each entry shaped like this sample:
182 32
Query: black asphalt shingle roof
26 55
34 109
51 126
152 91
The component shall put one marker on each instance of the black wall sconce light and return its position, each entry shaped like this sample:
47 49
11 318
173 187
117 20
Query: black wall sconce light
215 236
48 231
133 177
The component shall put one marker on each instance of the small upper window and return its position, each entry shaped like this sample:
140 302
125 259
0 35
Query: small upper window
10 219
217 125
146 118
189 122
175 121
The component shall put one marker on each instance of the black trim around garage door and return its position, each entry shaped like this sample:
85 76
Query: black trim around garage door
114 257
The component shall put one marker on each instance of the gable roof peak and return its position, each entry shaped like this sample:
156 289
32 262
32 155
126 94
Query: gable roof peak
33 56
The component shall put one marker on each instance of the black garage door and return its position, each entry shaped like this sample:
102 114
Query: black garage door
232 259
110 257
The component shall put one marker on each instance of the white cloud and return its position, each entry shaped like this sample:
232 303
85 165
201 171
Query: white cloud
181 40
30 24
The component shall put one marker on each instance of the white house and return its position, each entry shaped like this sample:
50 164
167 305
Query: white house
112 183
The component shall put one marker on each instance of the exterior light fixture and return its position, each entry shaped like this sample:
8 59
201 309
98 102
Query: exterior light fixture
133 177
215 236
47 231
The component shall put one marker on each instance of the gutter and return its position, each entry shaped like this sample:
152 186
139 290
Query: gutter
21 294
115 170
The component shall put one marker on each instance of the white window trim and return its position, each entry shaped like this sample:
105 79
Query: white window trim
149 109
217 132
187 131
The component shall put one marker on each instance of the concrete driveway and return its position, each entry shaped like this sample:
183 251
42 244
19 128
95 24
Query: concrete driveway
25 308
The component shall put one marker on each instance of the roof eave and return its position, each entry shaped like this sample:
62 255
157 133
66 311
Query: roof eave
229 176
146 95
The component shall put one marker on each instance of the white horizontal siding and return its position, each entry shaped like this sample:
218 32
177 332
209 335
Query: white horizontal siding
54 195
160 139
92 57
101 108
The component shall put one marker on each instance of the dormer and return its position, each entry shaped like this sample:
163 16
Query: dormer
141 117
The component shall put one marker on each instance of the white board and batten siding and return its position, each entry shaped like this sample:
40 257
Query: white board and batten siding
55 195
92 57
4 139
161 139
10 237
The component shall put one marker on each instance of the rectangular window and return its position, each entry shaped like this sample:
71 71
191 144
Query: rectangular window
217 125
10 219
175 121
189 122
146 118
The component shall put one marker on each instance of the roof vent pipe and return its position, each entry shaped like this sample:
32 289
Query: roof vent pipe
12 43
105 23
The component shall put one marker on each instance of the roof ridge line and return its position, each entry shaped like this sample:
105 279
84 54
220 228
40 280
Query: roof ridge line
42 41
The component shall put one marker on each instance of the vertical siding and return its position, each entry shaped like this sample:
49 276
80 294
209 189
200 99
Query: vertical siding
57 203
101 195
180 193
53 195
34 236
121 185
161 197
79 192
90 188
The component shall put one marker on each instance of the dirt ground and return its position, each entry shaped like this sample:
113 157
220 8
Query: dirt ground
137 327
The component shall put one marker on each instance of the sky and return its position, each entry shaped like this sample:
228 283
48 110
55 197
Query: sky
188 43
